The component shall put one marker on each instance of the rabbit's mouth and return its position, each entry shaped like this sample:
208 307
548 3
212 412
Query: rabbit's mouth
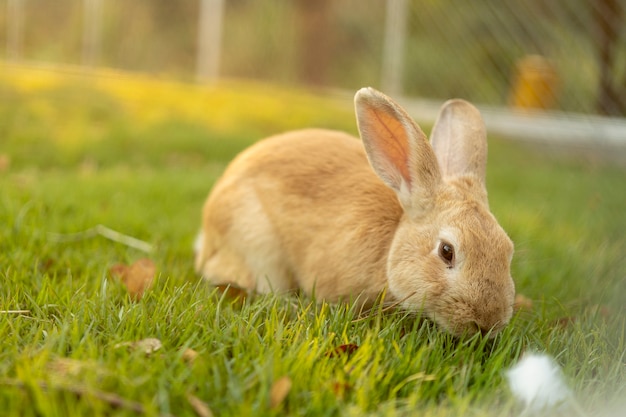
469 329
466 325
456 315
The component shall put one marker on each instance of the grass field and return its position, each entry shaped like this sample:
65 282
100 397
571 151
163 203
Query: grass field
139 155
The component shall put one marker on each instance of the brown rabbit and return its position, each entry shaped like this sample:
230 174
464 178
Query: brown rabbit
304 210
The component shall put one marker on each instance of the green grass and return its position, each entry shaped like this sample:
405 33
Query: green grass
148 179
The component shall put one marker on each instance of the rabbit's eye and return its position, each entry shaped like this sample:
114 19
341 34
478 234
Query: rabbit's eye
446 252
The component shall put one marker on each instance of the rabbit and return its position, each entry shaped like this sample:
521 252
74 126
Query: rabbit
331 216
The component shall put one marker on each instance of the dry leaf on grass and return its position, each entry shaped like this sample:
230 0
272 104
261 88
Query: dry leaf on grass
280 390
347 349
604 311
46 264
5 162
564 322
148 345
137 278
189 356
236 295
200 407
340 388
522 303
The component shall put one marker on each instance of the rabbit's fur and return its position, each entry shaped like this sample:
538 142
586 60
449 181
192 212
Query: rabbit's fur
304 210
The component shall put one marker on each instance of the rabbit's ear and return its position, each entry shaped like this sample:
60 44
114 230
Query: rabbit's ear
459 139
397 148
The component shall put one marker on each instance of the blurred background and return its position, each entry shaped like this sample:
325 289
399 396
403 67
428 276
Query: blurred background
571 54
567 57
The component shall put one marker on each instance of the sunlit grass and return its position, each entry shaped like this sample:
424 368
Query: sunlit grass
85 153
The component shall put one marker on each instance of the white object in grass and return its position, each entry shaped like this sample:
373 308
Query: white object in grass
538 382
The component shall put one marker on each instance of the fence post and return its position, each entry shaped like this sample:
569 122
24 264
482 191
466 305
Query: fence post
92 32
209 39
15 29
393 46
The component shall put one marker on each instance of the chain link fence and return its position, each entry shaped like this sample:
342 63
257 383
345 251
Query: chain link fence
567 55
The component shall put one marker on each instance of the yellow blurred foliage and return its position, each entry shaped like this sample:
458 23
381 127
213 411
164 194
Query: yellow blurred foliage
227 106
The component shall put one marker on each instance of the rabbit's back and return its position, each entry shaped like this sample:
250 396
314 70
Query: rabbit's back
301 210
